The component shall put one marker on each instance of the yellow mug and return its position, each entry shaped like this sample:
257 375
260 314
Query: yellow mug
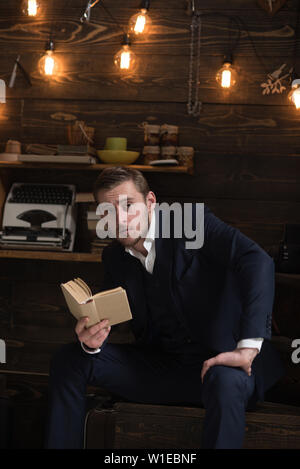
116 143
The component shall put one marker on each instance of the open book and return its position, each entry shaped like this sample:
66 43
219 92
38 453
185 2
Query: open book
110 304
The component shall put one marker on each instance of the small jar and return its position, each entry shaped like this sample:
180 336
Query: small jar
151 153
13 146
168 153
185 156
169 135
151 135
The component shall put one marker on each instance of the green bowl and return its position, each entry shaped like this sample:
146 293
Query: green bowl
118 156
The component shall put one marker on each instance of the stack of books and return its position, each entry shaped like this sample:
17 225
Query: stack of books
82 154
76 150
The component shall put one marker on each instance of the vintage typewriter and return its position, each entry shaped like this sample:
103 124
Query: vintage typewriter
39 216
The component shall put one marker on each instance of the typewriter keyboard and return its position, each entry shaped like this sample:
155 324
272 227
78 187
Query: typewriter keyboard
41 194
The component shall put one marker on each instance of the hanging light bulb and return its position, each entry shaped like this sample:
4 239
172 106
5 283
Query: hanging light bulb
140 23
125 59
48 64
226 76
31 7
294 94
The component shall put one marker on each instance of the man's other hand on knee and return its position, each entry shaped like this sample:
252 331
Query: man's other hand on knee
240 357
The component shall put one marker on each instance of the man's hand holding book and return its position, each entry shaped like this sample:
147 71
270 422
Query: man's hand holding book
94 336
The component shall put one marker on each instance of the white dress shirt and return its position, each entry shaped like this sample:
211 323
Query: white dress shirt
148 263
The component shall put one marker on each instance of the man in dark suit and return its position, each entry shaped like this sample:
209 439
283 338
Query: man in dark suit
201 319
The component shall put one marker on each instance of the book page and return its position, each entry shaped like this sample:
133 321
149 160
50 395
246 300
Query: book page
79 294
79 310
83 285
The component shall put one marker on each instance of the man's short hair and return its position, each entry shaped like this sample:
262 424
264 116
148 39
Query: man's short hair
113 176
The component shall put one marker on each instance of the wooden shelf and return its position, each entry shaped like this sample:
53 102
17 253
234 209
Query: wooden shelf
72 256
94 167
50 255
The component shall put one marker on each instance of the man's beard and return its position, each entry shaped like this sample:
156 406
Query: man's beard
129 242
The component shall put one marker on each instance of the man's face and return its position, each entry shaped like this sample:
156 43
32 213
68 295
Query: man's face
124 198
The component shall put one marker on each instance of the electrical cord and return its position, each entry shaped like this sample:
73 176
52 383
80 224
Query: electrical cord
240 24
87 13
52 23
243 24
112 17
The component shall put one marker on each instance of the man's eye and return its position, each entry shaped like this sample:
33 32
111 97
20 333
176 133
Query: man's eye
126 206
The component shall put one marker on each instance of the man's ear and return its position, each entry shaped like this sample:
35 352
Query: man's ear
150 199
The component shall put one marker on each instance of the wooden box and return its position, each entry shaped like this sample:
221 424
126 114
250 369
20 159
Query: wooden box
141 426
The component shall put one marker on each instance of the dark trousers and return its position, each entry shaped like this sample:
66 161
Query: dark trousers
143 375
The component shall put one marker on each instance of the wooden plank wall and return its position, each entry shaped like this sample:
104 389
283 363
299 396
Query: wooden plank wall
247 163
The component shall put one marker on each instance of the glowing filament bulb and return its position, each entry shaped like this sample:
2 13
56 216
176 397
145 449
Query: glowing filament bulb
294 94
226 76
226 79
32 8
49 66
49 63
125 60
140 24
296 98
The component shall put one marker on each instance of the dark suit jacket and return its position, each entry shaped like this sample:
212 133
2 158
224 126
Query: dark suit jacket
224 291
